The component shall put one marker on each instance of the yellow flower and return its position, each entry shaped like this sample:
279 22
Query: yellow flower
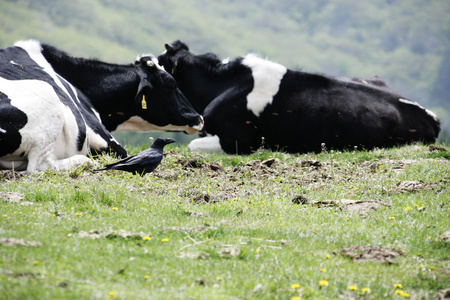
165 240
398 285
352 288
147 238
398 292
280 218
114 208
323 283
295 286
408 208
296 298
219 278
79 214
258 250
365 290
405 294
323 270
5 216
327 256
391 218
111 295
36 262
146 276
234 199
54 215
14 212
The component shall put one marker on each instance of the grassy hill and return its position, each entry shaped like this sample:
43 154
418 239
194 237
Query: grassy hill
406 43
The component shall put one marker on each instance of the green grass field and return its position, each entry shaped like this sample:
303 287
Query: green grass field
265 226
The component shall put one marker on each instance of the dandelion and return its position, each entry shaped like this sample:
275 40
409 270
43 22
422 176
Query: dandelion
14 212
147 238
405 294
327 256
115 208
323 283
165 240
111 295
54 215
219 278
281 218
391 218
398 292
79 214
365 290
352 288
146 277
408 208
36 262
323 270
295 286
296 298
258 250
5 216
234 199
398 285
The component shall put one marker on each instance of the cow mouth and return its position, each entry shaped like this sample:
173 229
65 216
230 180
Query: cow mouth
196 128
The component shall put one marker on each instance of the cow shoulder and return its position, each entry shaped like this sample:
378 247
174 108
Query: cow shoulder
267 77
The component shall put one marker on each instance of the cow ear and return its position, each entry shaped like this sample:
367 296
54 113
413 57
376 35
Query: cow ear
168 47
143 87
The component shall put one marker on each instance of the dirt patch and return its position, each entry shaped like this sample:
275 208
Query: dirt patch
445 237
413 186
12 197
356 206
18 242
369 253
198 164
10 175
444 294
111 234
434 148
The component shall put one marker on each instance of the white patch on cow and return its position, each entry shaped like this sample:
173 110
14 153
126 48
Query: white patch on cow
49 138
138 124
209 144
2 130
33 48
153 58
225 61
429 112
13 63
267 77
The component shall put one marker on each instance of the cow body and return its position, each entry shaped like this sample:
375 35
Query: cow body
55 108
251 102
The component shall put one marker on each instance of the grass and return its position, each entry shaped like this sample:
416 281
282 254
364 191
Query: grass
233 233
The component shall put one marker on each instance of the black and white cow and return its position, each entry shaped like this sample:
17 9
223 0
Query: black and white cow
55 108
249 101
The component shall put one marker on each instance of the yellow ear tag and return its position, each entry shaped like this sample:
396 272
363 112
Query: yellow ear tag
144 103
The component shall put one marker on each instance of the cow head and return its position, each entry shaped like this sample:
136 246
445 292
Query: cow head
159 103
169 59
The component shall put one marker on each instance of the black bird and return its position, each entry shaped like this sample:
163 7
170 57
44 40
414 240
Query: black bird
143 162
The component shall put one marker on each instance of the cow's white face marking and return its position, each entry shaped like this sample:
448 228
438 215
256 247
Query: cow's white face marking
267 77
429 112
209 144
153 58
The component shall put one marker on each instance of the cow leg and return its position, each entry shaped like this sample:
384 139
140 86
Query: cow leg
209 144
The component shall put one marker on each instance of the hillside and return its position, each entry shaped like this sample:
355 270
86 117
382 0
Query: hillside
407 43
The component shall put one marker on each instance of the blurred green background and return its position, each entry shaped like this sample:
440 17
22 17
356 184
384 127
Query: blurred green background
406 42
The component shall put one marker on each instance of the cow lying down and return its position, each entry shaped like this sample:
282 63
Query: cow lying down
55 108
249 101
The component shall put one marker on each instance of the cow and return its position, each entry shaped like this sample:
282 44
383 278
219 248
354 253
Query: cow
55 108
249 102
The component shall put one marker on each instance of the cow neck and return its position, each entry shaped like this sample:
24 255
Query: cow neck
203 83
110 88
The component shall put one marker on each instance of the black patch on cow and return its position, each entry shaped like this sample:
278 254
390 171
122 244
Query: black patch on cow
12 120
